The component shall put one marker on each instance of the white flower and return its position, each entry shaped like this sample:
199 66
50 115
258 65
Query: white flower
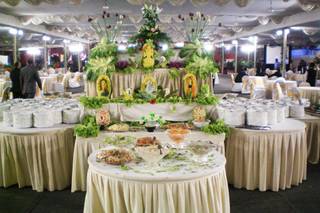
158 10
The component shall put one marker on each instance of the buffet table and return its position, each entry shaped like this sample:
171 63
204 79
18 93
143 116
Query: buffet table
311 93
120 82
267 159
313 137
110 189
37 157
85 146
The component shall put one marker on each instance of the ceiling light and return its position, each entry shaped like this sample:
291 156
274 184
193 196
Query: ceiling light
20 32
13 31
235 42
287 31
76 48
179 44
122 47
164 47
208 46
279 32
296 28
228 47
46 38
247 48
66 41
33 51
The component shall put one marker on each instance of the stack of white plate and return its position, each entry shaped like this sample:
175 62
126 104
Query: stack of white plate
71 116
257 117
297 111
22 120
43 118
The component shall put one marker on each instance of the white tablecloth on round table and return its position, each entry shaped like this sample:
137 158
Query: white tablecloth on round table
311 93
313 137
85 146
37 157
109 189
267 160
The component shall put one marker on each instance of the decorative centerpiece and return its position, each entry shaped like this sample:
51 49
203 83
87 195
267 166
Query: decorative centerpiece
199 117
103 118
150 149
151 121
103 85
148 54
190 86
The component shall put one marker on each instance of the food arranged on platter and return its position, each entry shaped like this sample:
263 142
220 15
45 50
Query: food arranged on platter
177 135
41 113
115 156
201 149
121 127
150 149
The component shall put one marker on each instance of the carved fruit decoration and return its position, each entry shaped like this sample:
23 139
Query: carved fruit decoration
190 87
199 114
103 117
148 55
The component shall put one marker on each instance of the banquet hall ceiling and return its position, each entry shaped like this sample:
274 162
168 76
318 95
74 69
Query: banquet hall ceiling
71 16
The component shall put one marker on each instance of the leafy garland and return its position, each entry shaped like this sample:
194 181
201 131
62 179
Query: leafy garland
150 29
204 98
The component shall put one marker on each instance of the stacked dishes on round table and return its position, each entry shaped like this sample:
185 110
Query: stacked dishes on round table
44 113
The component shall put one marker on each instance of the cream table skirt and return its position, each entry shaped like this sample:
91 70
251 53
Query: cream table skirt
85 146
267 160
311 93
41 157
114 191
313 137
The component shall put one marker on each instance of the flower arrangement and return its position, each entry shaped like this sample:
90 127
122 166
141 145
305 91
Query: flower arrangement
152 120
196 25
150 29
107 26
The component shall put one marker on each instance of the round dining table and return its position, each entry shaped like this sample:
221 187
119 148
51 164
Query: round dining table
267 159
36 157
311 93
190 189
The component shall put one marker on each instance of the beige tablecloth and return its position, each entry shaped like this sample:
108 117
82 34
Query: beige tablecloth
41 158
313 138
311 93
120 82
85 146
110 189
267 160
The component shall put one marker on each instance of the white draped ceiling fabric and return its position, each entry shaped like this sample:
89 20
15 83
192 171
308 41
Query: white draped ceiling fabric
135 19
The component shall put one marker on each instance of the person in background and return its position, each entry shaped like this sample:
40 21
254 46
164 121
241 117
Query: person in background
261 68
15 78
277 64
302 67
242 72
312 74
29 77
